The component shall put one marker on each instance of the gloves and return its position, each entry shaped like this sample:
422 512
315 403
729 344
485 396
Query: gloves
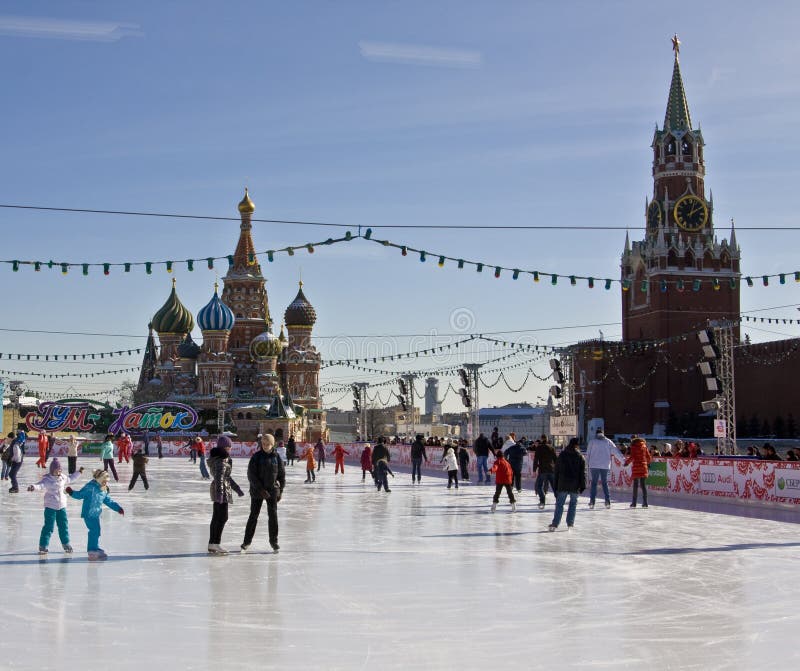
121 512
80 470
31 488
68 490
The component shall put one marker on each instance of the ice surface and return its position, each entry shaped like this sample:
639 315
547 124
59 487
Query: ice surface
421 577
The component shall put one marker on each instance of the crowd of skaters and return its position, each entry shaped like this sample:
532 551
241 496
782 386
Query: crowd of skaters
565 474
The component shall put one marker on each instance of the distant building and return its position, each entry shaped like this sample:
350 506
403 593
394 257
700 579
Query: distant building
521 418
433 405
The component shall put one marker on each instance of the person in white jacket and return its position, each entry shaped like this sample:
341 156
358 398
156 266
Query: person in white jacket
451 466
598 459
55 505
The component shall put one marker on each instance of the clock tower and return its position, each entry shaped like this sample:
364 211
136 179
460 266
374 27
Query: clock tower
680 275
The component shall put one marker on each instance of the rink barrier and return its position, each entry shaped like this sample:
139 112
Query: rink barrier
725 479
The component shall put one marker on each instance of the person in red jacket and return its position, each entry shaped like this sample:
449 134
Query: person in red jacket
639 457
503 478
124 446
366 462
338 453
42 443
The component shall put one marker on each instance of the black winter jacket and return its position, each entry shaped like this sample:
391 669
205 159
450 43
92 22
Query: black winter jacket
570 472
544 459
263 472
418 450
515 455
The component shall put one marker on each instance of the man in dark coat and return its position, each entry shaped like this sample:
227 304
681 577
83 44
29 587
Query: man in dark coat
544 463
481 449
570 481
267 479
417 455
515 455
380 451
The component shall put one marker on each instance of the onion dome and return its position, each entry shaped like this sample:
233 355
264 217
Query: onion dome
173 317
266 344
247 206
300 312
282 337
188 349
215 316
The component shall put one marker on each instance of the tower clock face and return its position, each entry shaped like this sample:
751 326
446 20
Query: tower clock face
654 214
690 213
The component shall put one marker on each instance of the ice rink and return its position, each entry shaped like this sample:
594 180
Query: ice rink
421 577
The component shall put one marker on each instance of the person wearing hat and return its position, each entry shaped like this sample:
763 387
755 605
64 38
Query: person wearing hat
267 478
639 458
220 465
55 505
598 458
94 495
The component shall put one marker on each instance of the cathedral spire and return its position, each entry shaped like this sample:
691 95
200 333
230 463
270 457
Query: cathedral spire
677 115
244 258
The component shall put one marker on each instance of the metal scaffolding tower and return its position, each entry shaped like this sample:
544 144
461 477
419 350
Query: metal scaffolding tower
723 334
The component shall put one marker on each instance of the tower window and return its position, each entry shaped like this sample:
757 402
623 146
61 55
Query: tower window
670 146
686 147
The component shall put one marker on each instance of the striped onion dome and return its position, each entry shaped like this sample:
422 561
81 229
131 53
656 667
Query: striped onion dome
215 316
300 312
173 317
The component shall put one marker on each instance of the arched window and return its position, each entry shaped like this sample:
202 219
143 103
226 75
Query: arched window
672 259
669 144
686 148
725 261
248 416
708 260
239 416
689 259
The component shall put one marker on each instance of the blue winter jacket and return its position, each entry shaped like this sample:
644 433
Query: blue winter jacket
93 499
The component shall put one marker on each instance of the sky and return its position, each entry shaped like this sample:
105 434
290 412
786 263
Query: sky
368 114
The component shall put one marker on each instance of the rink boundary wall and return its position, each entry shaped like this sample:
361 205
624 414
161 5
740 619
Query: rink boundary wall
724 479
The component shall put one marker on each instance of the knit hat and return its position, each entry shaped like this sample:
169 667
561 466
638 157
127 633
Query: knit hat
55 465
224 442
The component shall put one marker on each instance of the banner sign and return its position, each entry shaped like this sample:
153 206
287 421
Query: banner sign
716 478
787 483
154 416
657 475
564 425
720 428
81 416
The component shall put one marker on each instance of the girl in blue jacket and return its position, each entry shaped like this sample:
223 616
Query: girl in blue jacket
94 495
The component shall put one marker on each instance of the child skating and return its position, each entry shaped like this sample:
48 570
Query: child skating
94 495
366 462
55 505
139 466
381 471
451 466
338 453
308 455
504 477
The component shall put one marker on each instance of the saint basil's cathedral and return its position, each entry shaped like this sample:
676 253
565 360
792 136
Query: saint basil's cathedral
266 382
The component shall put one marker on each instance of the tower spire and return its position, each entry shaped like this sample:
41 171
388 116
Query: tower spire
677 115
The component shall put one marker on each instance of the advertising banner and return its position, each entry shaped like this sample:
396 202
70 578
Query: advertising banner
787 483
716 478
564 425
657 476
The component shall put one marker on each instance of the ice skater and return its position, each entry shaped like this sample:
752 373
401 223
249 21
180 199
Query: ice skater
319 453
598 456
504 477
200 449
124 446
72 452
220 465
515 455
381 471
639 457
6 453
107 455
94 495
451 466
42 443
291 450
366 462
308 455
16 458
55 505
463 462
267 478
338 454
139 469
570 481
417 455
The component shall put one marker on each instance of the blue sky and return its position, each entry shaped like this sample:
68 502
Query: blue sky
376 113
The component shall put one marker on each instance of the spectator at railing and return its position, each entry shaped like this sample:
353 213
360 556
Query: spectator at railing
768 453
791 455
667 451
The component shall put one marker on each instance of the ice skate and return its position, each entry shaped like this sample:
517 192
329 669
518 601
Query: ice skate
644 505
275 547
68 549
513 507
608 504
494 507
633 505
541 506
591 506
42 551
569 527
216 549
97 555
552 527
244 547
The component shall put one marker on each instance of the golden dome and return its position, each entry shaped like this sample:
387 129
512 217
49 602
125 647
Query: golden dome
246 206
